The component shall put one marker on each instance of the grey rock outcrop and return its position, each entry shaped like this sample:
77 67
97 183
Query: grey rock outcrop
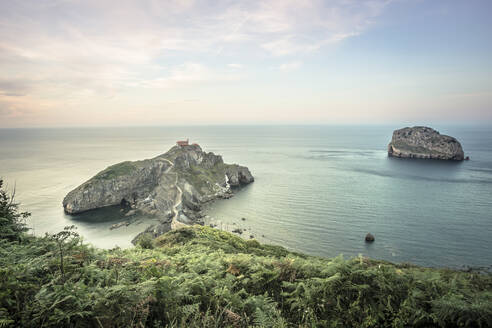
238 175
120 183
370 238
424 142
166 186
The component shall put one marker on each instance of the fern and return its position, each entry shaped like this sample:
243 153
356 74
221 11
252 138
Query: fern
201 277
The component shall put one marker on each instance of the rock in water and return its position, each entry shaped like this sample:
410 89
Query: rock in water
179 180
424 142
370 238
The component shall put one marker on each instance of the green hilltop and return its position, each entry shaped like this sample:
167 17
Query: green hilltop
203 277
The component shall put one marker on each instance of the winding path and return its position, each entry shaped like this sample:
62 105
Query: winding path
175 224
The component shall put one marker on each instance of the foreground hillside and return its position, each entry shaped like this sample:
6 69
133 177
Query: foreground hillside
202 277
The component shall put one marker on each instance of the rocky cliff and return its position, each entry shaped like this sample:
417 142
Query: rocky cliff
424 142
171 186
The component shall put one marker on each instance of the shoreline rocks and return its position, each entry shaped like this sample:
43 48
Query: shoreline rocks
426 143
119 225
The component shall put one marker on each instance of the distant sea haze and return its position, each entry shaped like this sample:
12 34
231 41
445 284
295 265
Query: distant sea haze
317 189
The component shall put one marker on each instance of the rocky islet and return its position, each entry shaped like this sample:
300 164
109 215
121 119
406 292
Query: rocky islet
172 186
426 143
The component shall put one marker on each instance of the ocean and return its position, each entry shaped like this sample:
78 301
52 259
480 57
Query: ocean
318 189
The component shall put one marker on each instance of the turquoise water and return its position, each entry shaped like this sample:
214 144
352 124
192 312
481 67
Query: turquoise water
318 189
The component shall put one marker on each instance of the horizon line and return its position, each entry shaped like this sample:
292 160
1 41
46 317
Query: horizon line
469 123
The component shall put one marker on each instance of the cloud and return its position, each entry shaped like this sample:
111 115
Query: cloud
188 74
67 51
137 31
12 107
235 66
306 26
183 74
14 88
108 38
290 66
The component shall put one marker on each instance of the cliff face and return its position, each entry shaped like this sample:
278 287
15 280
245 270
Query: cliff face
424 142
171 186
124 181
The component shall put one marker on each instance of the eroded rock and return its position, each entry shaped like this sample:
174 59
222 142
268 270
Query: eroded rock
170 186
424 142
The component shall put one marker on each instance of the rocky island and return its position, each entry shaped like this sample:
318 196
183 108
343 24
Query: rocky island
171 186
424 142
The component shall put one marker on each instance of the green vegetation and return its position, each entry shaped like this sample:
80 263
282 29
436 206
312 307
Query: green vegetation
202 277
204 178
114 171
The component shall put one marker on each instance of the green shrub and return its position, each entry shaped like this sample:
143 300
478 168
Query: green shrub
146 242
12 224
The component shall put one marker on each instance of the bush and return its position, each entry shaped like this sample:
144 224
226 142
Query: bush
146 242
12 224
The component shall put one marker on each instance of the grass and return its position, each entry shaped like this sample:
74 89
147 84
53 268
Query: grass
120 169
116 170
203 179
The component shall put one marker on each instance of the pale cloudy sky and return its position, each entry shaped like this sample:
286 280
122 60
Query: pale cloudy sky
97 62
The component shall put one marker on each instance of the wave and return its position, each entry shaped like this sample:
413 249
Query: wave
420 177
481 170
362 152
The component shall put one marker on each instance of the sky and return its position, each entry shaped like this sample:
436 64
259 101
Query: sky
148 62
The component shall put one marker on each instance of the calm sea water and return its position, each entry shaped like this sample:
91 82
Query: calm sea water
318 189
